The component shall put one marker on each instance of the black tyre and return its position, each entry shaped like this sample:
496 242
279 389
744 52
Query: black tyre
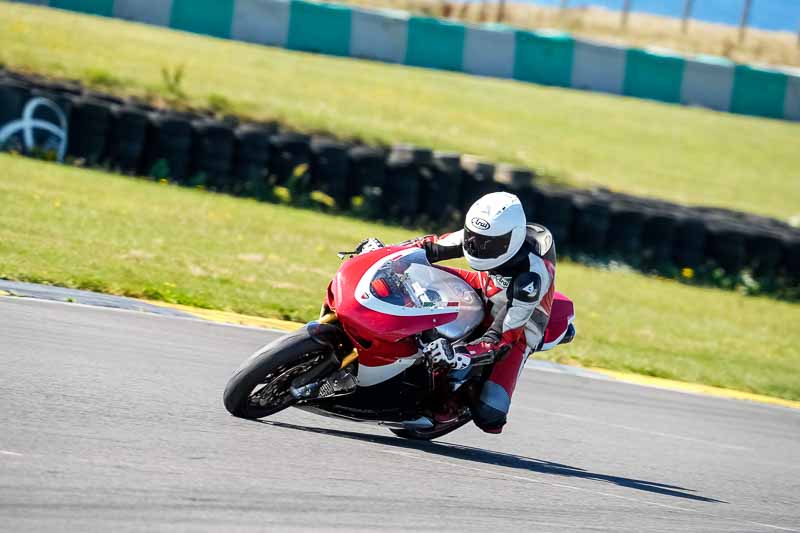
433 433
260 386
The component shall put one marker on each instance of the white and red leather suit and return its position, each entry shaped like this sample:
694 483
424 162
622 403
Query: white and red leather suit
518 296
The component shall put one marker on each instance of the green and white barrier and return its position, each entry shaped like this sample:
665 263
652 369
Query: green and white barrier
544 57
489 51
598 67
708 82
379 36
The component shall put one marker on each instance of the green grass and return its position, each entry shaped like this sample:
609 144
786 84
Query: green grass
87 229
688 155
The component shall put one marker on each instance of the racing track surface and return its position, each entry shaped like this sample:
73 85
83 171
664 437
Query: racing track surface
112 420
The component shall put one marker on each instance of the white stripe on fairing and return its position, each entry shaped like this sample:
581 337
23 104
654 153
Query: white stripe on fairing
551 345
372 375
378 305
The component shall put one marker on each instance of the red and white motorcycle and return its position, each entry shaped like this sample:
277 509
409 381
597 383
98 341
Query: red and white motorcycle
362 360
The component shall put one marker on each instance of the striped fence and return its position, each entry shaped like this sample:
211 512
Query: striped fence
548 58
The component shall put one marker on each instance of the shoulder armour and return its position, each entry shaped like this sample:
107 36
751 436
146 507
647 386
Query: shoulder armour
541 240
526 287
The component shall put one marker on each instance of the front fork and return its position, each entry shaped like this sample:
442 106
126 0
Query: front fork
331 377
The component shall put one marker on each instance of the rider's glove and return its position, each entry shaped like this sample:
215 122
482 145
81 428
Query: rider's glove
442 352
369 245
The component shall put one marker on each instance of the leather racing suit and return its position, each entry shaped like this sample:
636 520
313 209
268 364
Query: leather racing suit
518 296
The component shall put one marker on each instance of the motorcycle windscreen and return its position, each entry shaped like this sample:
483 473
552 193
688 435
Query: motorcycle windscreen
406 288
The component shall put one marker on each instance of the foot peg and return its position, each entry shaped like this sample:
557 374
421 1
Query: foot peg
339 384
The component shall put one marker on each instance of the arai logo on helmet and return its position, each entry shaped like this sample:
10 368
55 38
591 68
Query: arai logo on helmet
480 223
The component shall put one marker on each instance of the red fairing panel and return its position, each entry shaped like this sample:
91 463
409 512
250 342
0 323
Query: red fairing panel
380 337
561 314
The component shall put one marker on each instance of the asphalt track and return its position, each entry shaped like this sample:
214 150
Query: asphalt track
112 421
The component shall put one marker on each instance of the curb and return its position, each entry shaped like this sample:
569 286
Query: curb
693 388
229 317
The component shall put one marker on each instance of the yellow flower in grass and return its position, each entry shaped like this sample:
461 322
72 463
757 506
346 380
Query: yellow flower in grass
687 272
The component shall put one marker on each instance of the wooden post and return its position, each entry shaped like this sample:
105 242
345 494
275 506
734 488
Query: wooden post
745 20
626 8
501 11
798 35
687 14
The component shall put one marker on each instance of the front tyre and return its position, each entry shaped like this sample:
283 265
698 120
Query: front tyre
260 386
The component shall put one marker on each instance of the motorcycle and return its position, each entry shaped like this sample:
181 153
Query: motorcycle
363 359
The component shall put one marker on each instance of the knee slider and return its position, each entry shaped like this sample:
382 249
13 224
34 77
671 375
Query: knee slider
488 418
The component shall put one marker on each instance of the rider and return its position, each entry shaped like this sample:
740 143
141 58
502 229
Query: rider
516 264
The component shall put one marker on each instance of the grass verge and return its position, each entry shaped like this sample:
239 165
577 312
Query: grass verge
686 155
87 229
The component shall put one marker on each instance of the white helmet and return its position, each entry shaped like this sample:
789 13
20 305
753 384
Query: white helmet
494 230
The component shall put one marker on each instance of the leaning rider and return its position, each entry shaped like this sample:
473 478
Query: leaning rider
516 264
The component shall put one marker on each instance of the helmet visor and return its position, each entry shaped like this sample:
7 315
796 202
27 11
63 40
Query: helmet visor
485 246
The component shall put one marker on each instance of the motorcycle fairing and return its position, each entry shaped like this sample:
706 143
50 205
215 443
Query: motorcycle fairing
381 329
561 316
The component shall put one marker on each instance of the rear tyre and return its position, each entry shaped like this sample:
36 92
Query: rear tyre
260 387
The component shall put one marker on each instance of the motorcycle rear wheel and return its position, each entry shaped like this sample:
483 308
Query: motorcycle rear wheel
260 387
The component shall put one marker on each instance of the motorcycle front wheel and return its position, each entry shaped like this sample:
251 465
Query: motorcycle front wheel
260 386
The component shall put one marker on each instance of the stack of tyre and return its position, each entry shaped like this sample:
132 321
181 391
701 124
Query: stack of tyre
400 184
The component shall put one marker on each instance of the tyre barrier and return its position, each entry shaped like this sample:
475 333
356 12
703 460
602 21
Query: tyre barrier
13 97
726 244
406 167
624 237
126 139
90 122
441 192
250 161
658 239
212 155
689 242
790 266
553 208
33 121
590 223
477 180
404 184
290 164
330 170
167 150
47 142
367 179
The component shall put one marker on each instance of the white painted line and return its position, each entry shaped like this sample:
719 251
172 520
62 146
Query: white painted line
541 365
139 313
6 452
